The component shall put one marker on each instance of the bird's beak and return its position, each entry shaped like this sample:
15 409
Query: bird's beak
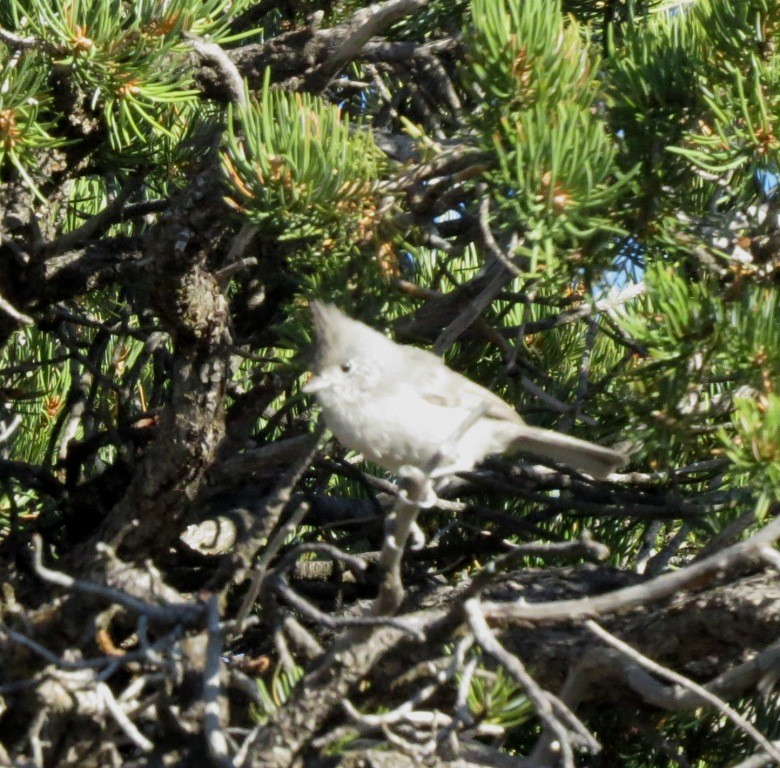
314 384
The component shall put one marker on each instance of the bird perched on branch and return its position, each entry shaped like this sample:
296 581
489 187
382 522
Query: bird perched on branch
402 406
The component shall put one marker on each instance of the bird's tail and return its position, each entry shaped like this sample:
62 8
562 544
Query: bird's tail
594 460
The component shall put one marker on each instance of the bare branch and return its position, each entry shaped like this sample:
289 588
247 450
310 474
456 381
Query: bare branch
542 700
212 53
15 314
188 614
365 24
212 689
700 691
276 504
642 594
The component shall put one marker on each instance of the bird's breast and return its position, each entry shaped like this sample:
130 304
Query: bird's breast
397 428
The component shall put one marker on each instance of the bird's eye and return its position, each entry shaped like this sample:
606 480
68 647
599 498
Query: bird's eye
346 367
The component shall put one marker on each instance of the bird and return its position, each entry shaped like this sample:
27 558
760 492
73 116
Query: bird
402 406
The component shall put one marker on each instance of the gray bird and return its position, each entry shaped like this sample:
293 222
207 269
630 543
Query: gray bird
400 405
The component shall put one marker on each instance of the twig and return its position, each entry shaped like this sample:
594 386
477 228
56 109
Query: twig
286 564
540 698
402 50
240 243
464 685
97 223
405 712
278 500
475 308
771 556
222 275
365 24
14 313
167 613
726 536
583 385
705 695
282 650
490 241
106 699
463 718
68 664
15 41
213 54
34 736
287 593
301 638
607 304
8 431
640 594
760 760
240 758
552 402
585 547
659 561
212 727
261 567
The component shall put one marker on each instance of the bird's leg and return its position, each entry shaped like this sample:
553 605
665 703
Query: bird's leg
416 487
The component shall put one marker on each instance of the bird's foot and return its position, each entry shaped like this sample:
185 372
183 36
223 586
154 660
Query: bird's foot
415 487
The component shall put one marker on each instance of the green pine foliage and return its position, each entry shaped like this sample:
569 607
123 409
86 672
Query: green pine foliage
24 103
538 83
297 167
618 144
122 66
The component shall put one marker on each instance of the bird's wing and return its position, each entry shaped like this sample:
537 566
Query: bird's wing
438 384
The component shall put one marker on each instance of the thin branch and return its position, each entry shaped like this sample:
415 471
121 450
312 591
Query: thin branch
281 496
605 305
279 500
760 760
540 698
365 24
269 552
640 594
16 41
476 306
212 726
97 223
166 613
99 662
403 50
224 274
15 314
700 691
490 242
287 593
212 53
106 699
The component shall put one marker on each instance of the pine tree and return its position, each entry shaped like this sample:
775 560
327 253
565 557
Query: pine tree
574 203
